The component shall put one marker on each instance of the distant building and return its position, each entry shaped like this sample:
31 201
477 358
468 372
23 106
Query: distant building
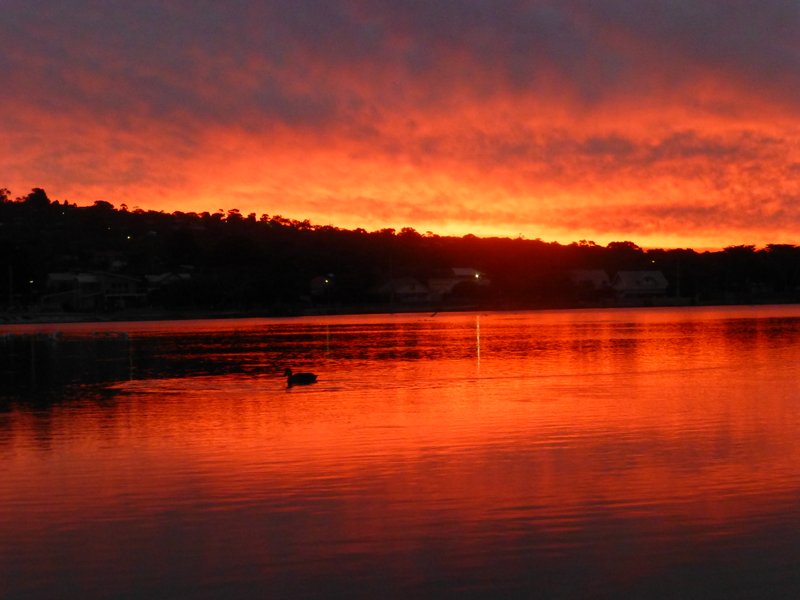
122 291
71 291
443 283
640 284
406 290
591 285
90 291
158 281
322 285
590 279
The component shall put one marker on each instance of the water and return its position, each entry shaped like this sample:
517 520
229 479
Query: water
645 453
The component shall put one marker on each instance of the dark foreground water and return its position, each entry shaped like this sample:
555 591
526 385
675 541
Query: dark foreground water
648 453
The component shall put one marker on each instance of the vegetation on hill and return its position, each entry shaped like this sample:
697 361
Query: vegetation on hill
249 262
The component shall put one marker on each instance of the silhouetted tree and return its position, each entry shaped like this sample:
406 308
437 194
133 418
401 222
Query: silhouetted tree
37 198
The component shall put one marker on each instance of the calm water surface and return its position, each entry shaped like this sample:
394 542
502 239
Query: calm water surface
647 453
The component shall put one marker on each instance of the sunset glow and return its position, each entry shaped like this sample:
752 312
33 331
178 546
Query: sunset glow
665 123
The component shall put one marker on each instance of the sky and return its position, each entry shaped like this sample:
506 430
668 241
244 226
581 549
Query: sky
669 123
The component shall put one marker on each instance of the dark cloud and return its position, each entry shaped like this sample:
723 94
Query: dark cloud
269 58
756 40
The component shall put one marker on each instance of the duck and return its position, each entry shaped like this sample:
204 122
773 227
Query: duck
299 378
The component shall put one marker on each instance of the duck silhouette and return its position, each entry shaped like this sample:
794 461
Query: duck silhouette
299 378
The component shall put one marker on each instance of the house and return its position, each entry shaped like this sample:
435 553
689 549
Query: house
322 286
157 281
591 285
444 282
71 291
590 279
89 291
121 291
640 284
406 290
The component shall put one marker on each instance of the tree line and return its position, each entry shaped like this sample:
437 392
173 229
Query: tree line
248 262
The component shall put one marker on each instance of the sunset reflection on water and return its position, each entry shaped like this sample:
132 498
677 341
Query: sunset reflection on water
638 453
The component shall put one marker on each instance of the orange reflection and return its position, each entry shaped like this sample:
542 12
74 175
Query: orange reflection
620 442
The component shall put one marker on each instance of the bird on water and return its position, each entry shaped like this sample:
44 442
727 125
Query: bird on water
299 378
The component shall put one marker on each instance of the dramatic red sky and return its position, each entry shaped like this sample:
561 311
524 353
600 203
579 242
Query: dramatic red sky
663 122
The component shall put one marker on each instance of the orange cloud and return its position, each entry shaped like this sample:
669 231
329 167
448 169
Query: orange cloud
669 125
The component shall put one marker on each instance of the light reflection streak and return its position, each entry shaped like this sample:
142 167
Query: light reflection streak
478 340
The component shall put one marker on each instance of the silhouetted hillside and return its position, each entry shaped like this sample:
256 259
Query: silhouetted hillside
58 256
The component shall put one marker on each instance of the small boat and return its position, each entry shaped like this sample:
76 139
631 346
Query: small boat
299 378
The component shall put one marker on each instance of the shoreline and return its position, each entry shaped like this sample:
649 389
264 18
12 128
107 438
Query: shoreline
144 315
